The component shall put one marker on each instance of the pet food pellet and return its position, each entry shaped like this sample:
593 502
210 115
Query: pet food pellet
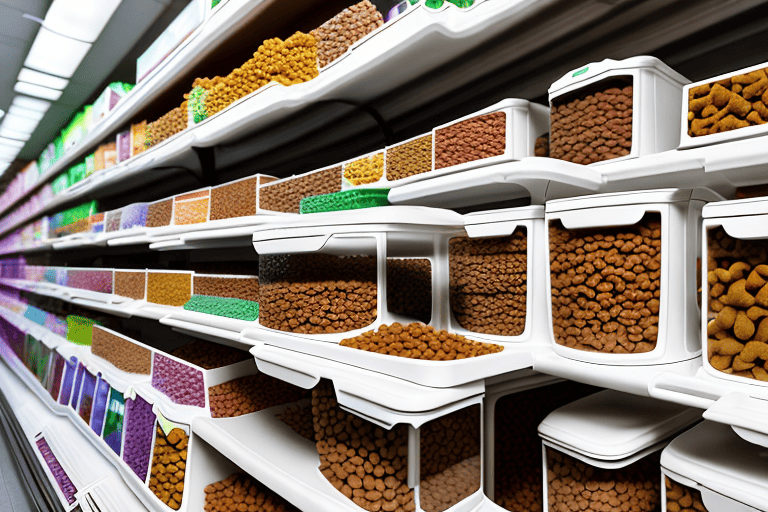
474 139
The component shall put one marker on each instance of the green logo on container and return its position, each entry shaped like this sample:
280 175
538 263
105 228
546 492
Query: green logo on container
581 71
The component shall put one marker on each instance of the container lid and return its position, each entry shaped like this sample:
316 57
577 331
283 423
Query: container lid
667 195
505 214
596 69
715 457
612 426
736 208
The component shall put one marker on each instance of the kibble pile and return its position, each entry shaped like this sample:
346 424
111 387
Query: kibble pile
169 463
410 158
193 211
606 286
241 493
474 139
298 416
134 215
729 104
138 137
93 280
167 126
139 422
250 394
169 288
681 498
181 383
209 355
66 486
125 355
288 62
335 36
541 147
130 284
517 446
365 170
419 341
450 459
317 293
594 126
409 288
574 485
488 283
159 214
366 463
234 287
737 331
237 309
286 196
234 200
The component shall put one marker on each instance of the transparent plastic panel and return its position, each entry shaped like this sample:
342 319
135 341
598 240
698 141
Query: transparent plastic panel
479 137
169 462
113 423
409 288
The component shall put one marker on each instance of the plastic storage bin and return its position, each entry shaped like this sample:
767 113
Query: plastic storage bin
502 132
192 208
408 159
238 198
632 299
605 448
130 284
711 469
124 353
285 195
170 288
228 296
734 329
726 107
615 109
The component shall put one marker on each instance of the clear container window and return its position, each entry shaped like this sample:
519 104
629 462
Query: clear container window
606 286
681 498
409 288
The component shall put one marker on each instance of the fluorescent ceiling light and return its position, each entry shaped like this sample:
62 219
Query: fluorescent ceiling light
11 142
25 112
44 79
20 124
80 19
37 90
55 54
31 103
13 134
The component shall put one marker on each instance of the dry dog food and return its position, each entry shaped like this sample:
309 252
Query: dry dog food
138 137
729 104
298 416
335 36
737 331
410 158
593 126
366 463
419 341
409 288
606 286
169 288
125 355
241 493
574 485
159 214
167 126
365 170
317 293
209 355
233 287
93 280
181 383
191 211
517 446
450 459
236 199
130 284
541 147
286 196
488 283
681 498
474 139
139 421
169 463
250 394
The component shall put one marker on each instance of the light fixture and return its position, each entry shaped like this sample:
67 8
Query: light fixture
80 19
11 142
20 124
37 90
25 112
56 54
35 77
31 103
13 134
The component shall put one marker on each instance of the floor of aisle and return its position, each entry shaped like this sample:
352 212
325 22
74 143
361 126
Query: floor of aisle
14 496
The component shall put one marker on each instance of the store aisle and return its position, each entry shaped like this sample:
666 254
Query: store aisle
13 492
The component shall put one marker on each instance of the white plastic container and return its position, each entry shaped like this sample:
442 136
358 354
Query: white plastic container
734 232
523 121
656 95
755 130
727 473
608 441
665 296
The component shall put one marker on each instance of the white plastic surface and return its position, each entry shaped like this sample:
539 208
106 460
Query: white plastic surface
730 473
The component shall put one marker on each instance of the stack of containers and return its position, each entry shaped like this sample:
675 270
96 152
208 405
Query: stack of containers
605 449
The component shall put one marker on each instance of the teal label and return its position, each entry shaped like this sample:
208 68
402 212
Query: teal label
581 71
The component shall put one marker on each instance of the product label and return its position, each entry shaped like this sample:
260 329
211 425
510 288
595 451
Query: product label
581 71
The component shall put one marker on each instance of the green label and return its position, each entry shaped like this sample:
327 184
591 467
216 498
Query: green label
581 71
